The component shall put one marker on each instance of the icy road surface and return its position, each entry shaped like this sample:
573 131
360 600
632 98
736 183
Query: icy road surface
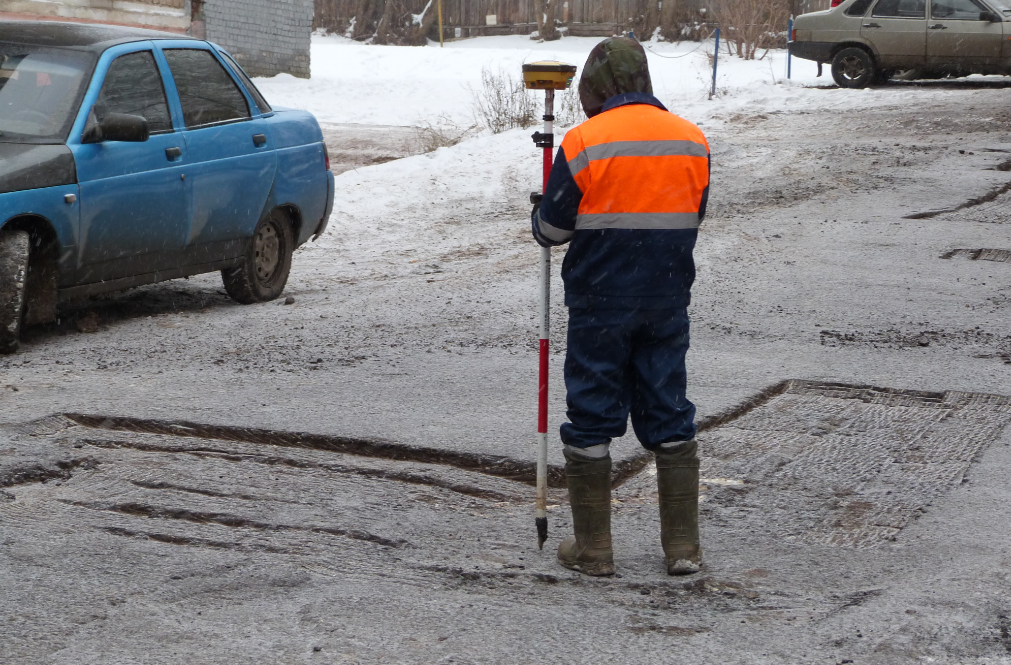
854 237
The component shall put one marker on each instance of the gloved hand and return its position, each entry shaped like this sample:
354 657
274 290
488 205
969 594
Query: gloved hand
535 198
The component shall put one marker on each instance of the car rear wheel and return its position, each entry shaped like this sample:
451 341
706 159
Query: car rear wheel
853 68
264 270
15 247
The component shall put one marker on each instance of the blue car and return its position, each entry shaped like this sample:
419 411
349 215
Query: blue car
130 156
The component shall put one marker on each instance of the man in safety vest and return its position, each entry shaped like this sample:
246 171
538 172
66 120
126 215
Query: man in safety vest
628 191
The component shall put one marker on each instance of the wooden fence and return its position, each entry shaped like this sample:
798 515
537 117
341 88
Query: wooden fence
509 16
467 18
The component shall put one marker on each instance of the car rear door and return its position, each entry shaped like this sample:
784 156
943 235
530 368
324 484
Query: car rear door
897 30
230 149
957 34
134 199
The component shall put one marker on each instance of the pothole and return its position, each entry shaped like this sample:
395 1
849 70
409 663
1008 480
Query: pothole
821 463
1000 255
846 465
494 465
990 208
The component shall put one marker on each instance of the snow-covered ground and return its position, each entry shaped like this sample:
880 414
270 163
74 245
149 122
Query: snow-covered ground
395 85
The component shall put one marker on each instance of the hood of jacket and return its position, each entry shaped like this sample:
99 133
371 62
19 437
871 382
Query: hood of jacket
616 66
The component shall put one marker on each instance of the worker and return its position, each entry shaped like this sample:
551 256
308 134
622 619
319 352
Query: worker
627 191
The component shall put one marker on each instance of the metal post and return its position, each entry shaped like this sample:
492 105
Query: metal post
716 59
440 24
544 314
789 38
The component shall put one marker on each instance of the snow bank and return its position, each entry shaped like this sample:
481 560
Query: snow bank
398 85
400 202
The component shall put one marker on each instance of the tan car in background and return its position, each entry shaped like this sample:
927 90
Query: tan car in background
871 41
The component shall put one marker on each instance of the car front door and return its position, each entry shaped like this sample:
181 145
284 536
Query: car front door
961 33
231 152
897 29
134 197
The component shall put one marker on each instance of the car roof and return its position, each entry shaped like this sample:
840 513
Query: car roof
85 36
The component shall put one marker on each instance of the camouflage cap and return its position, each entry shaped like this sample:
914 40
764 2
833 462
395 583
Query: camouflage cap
616 65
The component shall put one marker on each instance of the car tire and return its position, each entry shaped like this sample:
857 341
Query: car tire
853 68
15 247
265 267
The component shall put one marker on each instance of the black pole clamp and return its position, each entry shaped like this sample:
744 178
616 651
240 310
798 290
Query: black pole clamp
542 140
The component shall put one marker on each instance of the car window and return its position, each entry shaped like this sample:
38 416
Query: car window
207 93
958 10
253 90
858 8
901 9
133 85
40 92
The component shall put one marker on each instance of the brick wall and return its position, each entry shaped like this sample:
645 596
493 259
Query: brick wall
267 37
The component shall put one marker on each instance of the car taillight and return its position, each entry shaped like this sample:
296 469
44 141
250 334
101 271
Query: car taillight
793 35
836 3
326 157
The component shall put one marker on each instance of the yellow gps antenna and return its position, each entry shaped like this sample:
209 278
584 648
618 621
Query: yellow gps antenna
547 76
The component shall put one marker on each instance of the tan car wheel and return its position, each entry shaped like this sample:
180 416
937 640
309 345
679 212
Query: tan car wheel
853 68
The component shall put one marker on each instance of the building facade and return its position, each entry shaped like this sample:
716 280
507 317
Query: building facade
267 37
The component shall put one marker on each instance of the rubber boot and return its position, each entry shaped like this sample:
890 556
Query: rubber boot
677 476
589 551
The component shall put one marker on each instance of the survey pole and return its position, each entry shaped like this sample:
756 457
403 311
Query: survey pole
546 76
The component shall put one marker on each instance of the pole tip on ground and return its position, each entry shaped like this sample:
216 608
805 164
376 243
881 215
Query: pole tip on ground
542 531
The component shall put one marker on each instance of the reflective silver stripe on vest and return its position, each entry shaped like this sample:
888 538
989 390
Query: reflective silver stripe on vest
636 149
552 233
638 220
578 163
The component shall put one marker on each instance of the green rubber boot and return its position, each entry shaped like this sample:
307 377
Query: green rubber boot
677 476
589 551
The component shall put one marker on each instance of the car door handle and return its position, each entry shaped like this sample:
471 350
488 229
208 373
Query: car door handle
259 139
173 153
872 25
938 26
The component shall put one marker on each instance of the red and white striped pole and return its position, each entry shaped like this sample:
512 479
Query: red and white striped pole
547 76
544 311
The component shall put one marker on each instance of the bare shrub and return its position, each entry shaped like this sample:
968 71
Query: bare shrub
502 102
749 26
442 132
568 108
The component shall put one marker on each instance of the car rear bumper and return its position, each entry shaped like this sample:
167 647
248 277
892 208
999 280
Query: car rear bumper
817 51
329 206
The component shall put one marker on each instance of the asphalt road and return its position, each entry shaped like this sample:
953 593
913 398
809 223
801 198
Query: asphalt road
137 546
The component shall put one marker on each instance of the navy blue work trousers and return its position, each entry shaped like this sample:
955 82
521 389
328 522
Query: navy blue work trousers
622 362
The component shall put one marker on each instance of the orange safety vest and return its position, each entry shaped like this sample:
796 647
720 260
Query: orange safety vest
628 190
638 167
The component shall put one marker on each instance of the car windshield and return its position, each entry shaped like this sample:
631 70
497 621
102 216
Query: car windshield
40 89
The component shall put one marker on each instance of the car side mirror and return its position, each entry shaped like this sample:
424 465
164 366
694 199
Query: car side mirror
990 17
117 127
